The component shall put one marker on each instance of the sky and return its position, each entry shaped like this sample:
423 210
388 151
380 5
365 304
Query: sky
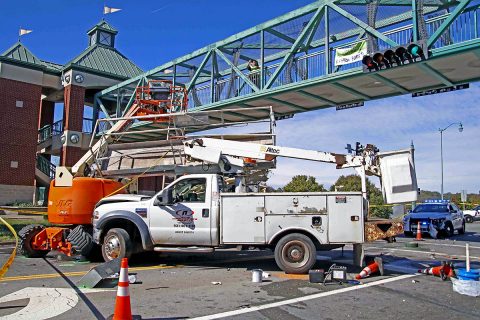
152 32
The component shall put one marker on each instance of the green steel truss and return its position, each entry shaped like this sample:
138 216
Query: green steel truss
297 50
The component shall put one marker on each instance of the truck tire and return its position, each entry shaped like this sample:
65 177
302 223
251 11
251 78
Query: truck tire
295 253
26 235
81 240
116 244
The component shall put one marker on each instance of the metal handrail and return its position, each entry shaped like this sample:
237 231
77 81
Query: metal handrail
50 130
315 58
45 166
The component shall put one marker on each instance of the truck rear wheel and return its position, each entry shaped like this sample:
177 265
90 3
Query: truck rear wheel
295 253
117 244
26 235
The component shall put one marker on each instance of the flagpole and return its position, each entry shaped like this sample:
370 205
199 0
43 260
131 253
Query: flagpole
19 35
103 10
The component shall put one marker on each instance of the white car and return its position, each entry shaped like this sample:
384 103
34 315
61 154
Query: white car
472 215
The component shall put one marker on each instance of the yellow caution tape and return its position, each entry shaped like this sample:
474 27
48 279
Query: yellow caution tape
14 252
23 211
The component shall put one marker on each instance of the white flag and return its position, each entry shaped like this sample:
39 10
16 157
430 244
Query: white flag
21 32
107 10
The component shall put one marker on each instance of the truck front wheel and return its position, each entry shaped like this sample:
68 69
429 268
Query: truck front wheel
295 253
116 244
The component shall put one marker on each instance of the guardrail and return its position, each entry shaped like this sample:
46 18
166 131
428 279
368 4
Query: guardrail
45 166
56 129
50 130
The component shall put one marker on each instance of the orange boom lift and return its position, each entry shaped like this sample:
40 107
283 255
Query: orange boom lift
71 204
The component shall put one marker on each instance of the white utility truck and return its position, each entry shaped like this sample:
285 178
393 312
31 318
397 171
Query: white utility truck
205 212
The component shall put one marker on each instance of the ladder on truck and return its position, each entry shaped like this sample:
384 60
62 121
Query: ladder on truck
115 156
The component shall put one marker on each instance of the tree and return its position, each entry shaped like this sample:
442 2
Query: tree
353 182
303 184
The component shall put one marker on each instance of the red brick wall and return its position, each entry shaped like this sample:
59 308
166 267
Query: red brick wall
73 112
47 109
74 100
70 156
153 184
18 131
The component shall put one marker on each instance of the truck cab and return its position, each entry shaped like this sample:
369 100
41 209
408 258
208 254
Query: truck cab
439 218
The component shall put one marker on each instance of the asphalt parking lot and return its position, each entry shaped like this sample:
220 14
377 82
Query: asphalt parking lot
219 286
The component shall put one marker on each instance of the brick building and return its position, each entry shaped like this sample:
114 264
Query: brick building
31 89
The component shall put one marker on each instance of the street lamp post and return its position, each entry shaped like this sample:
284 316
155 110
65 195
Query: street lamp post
460 129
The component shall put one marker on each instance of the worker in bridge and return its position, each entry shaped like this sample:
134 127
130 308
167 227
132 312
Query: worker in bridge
254 69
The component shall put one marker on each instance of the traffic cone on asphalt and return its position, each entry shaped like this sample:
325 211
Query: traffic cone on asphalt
123 310
444 271
375 267
419 232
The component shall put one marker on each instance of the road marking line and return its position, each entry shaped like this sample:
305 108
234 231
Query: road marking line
301 299
78 273
426 252
444 244
44 303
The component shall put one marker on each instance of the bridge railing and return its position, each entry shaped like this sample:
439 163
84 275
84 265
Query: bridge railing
45 166
313 65
294 48
50 130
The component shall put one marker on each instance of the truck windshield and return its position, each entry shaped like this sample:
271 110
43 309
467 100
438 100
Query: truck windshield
431 208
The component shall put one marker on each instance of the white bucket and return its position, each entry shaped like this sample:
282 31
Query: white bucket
257 275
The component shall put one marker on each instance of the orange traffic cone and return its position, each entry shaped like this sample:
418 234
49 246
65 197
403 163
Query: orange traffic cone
123 309
375 267
419 232
444 271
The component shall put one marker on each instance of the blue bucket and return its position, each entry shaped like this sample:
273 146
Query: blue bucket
473 274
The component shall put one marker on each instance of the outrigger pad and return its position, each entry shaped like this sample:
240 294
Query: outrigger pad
99 273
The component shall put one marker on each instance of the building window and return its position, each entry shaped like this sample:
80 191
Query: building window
19 104
105 38
14 164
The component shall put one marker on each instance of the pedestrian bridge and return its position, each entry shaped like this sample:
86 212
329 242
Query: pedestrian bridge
296 53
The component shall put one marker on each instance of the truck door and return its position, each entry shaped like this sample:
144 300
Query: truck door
187 220
345 218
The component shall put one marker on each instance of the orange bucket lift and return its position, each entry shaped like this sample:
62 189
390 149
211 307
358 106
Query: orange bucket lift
160 97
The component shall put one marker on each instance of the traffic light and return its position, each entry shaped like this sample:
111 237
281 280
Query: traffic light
394 57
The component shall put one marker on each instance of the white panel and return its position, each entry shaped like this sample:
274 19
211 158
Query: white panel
399 182
345 218
296 204
243 219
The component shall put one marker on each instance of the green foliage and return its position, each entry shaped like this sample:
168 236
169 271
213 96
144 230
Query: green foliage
303 184
353 182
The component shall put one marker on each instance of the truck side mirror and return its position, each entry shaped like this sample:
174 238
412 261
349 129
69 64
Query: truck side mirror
165 198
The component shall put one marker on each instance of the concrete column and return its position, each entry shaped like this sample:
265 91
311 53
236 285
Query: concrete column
74 100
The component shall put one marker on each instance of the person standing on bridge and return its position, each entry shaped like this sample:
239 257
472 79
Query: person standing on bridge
254 74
